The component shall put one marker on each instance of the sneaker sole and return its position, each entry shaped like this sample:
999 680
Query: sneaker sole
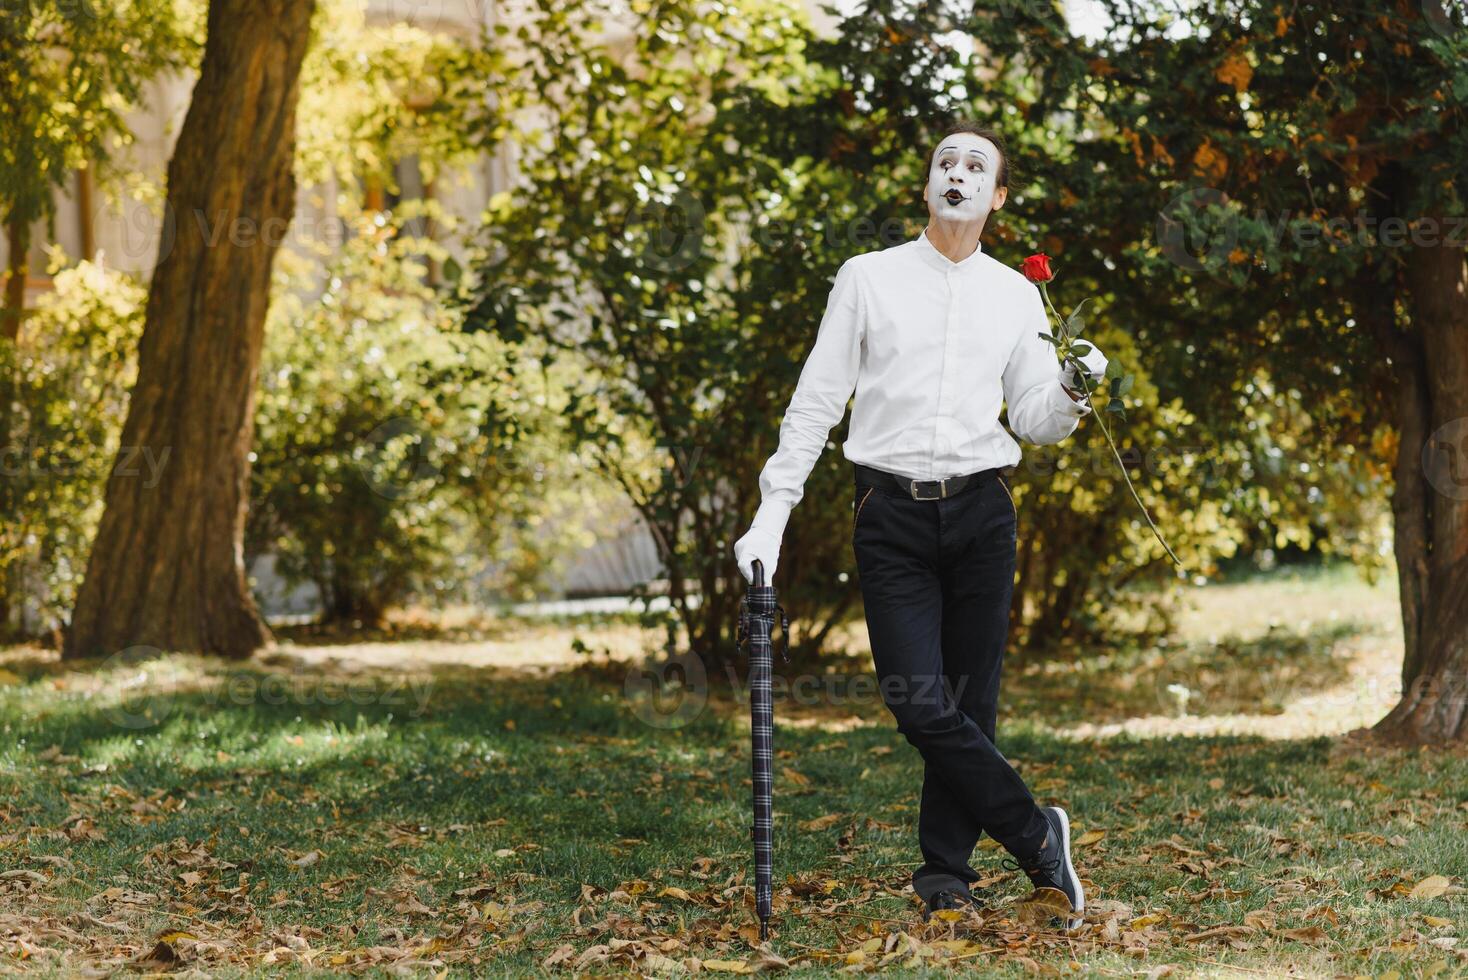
1080 905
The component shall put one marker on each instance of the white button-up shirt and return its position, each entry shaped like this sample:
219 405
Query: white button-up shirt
932 347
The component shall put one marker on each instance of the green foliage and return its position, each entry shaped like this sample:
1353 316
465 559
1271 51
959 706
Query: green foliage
1234 189
372 95
389 449
636 249
69 73
1089 567
71 381
391 454
677 233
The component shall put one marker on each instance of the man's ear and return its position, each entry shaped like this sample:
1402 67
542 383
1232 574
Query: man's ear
1001 194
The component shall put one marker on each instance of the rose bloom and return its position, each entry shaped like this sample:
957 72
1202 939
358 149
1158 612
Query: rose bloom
1037 268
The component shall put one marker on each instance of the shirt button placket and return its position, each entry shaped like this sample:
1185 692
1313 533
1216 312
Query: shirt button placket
945 384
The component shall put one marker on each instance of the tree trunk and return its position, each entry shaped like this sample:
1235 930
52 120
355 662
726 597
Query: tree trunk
12 314
1430 499
167 567
18 242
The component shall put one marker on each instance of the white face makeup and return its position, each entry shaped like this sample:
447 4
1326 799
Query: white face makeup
961 182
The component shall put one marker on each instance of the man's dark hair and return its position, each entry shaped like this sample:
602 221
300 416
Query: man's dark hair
977 129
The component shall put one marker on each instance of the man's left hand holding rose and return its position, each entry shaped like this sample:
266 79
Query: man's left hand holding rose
1095 363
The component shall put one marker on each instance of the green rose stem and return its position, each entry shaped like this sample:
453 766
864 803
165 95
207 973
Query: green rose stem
1081 373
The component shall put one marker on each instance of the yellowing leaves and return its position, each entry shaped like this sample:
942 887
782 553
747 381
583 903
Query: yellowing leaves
1235 70
1144 155
1209 161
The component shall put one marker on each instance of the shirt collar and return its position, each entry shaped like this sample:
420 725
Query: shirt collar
942 262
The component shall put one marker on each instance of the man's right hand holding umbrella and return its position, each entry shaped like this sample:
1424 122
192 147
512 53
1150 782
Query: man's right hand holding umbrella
762 540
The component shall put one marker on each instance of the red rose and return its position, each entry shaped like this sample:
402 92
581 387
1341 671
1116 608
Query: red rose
1037 268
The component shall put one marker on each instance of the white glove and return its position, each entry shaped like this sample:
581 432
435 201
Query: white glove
1095 363
762 541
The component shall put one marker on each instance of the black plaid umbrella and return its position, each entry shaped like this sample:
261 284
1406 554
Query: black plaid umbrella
756 623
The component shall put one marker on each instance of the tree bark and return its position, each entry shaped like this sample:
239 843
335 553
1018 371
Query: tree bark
18 242
167 567
12 314
1430 499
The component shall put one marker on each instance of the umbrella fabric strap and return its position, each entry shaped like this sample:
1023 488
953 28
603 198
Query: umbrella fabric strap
761 603
924 489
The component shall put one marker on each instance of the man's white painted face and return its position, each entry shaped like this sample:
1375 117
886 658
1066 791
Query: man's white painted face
962 179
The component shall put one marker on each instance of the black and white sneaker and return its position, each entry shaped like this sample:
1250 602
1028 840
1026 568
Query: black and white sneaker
1051 867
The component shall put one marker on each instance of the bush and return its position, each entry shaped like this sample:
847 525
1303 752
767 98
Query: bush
388 443
68 381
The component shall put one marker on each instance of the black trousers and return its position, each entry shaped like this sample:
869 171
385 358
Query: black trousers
937 577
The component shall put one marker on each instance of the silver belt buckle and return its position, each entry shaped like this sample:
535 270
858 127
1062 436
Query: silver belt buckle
942 490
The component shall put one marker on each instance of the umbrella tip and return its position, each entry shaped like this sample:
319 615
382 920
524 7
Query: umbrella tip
764 931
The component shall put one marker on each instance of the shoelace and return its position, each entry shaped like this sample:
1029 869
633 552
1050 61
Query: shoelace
1034 869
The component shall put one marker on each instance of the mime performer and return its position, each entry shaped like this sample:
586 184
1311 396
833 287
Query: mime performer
933 335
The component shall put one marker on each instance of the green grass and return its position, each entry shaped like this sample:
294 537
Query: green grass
321 820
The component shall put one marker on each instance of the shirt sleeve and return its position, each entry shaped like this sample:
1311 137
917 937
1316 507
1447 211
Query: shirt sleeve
819 402
1040 411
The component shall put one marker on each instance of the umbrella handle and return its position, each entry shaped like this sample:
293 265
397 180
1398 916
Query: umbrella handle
757 573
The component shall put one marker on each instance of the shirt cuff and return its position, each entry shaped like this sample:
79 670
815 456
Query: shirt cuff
771 517
1065 406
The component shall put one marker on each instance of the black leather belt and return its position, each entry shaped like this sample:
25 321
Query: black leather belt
924 489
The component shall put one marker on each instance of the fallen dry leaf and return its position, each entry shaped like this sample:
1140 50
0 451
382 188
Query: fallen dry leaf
728 966
1041 904
820 823
1305 934
798 778
1430 887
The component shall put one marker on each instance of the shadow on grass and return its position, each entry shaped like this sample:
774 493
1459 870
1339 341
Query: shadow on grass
111 702
536 786
1258 676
